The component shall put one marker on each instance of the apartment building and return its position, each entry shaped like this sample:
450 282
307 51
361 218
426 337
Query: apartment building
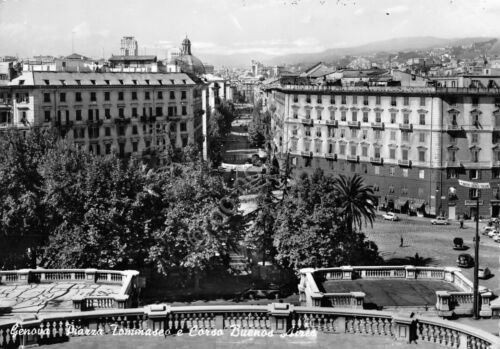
134 114
411 143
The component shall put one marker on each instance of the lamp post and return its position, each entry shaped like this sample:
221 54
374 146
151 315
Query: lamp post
477 187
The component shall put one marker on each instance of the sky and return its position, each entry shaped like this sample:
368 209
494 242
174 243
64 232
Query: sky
271 27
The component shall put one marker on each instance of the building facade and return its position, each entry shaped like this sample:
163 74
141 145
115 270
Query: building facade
411 143
133 114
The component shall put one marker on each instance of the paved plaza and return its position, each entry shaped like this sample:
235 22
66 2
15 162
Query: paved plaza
36 298
392 293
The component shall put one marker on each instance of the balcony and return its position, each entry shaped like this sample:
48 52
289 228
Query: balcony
353 158
379 161
404 163
452 164
306 153
94 123
331 156
148 118
354 124
122 121
307 122
68 124
406 127
333 123
453 128
378 125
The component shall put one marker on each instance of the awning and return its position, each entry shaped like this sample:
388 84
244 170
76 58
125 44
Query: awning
417 203
401 201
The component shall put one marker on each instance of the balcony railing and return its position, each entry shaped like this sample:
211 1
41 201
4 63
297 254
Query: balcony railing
148 118
122 121
378 125
378 160
354 124
68 124
94 122
331 156
453 164
404 163
453 128
333 123
406 127
307 121
353 158
306 153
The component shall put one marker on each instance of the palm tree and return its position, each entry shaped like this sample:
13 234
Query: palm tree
355 200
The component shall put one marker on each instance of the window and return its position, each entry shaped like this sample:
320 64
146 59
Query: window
307 131
295 115
343 99
172 111
421 137
93 132
134 129
342 133
319 114
62 97
46 97
354 99
392 172
318 132
393 101
354 133
121 112
421 156
378 117
393 135
78 116
405 136
183 94
354 116
93 97
343 116
365 100
107 96
295 131
47 115
332 99
147 95
159 111
172 94
365 116
160 95
475 155
474 194
78 96
353 167
376 152
342 149
184 110
308 99
422 119
406 118
422 101
134 112
406 100
107 131
330 148
134 95
319 100
378 134
475 101
90 115
377 100
120 96
404 154
294 145
392 153
421 174
365 134
474 174
121 131
495 173
134 147
364 151
475 137
405 172
393 118
295 98
331 132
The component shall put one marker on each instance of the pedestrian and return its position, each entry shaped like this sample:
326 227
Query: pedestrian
401 244
413 335
462 222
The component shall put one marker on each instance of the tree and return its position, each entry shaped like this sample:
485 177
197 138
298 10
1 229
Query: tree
310 230
355 200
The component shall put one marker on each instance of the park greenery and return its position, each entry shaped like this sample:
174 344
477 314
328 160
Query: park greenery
219 128
63 207
258 128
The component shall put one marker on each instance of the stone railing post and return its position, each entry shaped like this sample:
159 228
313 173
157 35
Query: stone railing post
121 301
347 273
23 276
29 340
411 272
449 274
157 316
78 303
357 300
443 302
279 317
485 304
402 328
316 299
90 275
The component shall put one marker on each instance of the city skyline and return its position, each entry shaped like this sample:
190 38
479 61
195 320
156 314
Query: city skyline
266 27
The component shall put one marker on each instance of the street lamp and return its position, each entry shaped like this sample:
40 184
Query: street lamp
477 187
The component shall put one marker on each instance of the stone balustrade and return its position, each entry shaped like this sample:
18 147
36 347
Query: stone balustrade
276 318
447 303
126 278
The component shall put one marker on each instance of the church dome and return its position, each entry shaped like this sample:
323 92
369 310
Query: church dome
191 64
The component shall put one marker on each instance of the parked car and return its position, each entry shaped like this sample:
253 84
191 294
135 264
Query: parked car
496 238
492 233
269 291
487 229
465 260
458 244
390 216
440 221
483 272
